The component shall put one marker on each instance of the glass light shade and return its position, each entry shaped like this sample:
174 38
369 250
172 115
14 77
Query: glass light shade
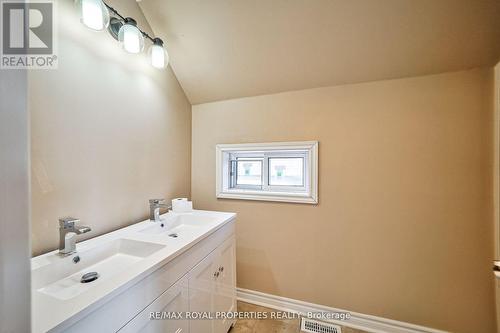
159 56
131 37
94 14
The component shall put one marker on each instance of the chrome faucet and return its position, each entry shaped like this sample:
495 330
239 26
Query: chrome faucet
67 235
154 209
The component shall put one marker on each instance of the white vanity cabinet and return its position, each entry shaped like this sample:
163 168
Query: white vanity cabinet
212 289
201 279
225 284
174 300
211 286
201 283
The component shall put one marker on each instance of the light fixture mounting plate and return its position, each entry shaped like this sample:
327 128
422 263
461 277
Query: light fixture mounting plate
115 24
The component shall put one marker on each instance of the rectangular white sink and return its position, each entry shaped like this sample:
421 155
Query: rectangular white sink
181 223
61 277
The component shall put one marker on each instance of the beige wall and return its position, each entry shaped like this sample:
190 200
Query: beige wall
108 133
403 228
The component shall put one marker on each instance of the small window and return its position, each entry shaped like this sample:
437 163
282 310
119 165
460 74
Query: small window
284 171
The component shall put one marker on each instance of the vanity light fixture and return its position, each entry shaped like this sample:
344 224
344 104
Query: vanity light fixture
130 36
159 57
95 14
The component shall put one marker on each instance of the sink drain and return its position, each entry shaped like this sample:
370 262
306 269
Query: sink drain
89 277
173 235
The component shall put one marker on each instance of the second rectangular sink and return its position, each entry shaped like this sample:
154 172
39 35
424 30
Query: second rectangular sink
61 277
179 223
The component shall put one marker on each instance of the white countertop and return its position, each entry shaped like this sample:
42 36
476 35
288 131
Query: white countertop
49 312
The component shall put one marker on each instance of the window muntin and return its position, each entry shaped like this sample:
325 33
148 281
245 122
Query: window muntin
284 171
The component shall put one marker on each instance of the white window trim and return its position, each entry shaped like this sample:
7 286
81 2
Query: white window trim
222 164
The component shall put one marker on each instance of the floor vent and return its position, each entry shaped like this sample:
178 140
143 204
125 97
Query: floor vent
313 326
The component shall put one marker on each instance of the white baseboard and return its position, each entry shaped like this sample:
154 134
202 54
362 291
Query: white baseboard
360 321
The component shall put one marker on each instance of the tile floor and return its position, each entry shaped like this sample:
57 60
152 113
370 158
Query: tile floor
270 325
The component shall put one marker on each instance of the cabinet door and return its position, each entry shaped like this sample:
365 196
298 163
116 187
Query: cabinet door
173 300
201 281
225 286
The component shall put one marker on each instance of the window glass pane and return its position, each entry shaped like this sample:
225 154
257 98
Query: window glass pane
249 172
286 171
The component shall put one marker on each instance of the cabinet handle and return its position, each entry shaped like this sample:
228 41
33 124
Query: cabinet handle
221 269
216 274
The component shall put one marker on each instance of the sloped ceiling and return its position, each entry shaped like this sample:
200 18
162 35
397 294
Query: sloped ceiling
223 49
